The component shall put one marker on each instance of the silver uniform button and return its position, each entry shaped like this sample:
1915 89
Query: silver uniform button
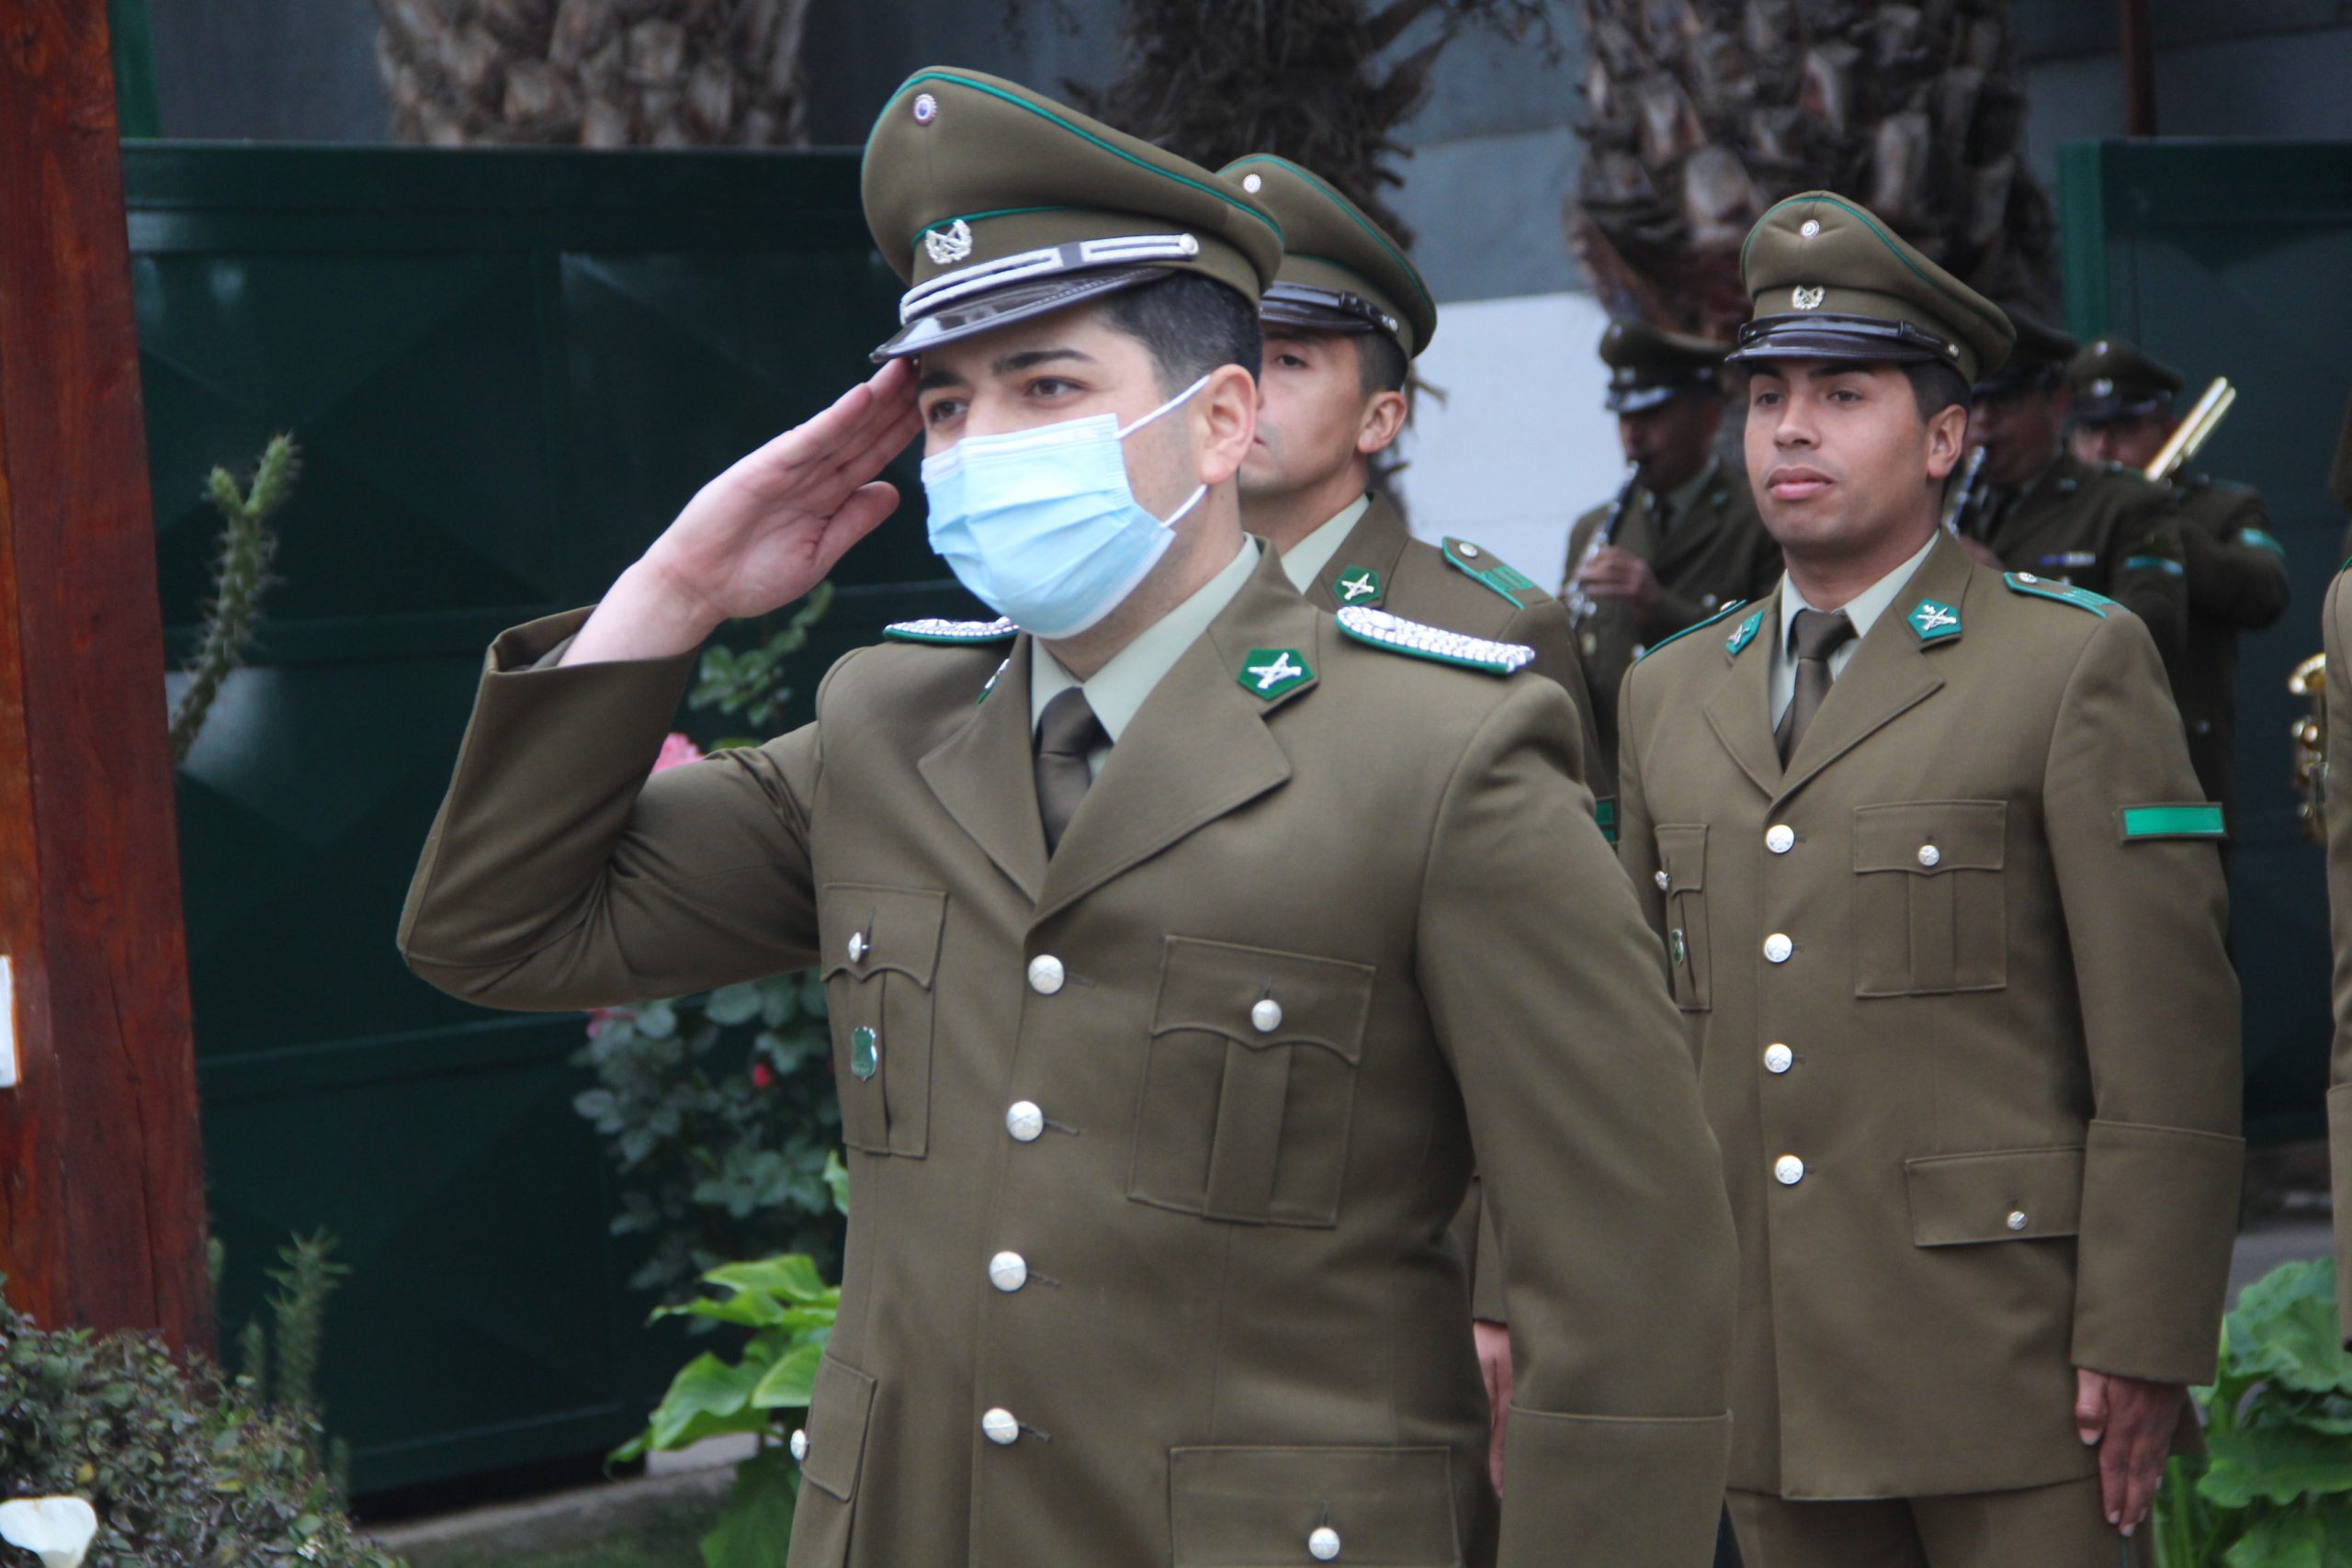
1779 1058
1324 1545
1024 1121
1788 1171
1000 1428
1780 838
1469 550
856 946
1267 1016
1929 854
1008 1271
1776 947
1662 879
799 1446
2017 1219
1046 975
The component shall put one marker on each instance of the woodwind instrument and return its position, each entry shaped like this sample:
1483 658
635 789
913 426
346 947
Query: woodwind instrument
1967 498
2193 432
1581 605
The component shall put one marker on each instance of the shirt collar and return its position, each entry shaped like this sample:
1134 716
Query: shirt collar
1119 688
1305 561
1864 608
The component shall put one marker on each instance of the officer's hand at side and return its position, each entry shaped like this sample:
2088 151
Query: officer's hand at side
1612 573
2131 1421
1493 1341
764 532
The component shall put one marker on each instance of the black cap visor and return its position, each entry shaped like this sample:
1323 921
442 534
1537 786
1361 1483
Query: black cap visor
1865 340
1633 396
1323 309
2114 407
997 307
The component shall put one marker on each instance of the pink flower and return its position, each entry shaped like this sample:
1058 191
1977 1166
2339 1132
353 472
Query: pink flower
676 751
598 1016
761 1075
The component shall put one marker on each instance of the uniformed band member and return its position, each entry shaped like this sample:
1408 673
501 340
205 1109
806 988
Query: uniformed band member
1184 944
1938 899
1685 540
2236 572
1344 318
2049 513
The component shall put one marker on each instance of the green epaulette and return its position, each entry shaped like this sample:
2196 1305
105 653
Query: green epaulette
951 633
1398 635
1732 608
1487 567
2065 593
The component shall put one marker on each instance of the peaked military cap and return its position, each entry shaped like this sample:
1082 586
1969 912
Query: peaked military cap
994 204
2039 360
1341 271
2114 381
1830 280
1647 367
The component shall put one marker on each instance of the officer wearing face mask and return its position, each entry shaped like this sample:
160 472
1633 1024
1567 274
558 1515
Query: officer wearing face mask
1185 944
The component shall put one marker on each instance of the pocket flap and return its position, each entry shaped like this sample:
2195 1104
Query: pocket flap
839 1407
2000 1195
1221 989
886 927
1928 837
1258 1507
1682 855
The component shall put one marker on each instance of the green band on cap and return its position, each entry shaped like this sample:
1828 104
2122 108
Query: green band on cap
2173 822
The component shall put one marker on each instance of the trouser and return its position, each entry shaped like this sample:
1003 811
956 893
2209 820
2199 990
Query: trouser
2040 1527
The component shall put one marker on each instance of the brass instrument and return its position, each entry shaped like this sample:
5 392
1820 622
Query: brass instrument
2193 432
1581 606
2309 774
1967 501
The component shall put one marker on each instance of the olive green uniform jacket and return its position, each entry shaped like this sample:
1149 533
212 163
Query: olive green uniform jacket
2104 528
1715 553
2336 631
1946 965
2236 583
1237 1318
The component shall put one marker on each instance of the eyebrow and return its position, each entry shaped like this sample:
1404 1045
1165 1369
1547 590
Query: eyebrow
1010 364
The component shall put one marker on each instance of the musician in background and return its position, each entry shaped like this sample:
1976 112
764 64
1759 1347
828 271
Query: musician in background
2235 571
1682 539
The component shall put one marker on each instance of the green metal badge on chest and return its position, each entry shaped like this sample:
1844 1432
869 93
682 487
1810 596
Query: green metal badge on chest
1356 585
865 1052
1269 671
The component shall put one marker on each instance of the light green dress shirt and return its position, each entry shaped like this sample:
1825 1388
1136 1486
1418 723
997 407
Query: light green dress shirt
1307 557
1863 610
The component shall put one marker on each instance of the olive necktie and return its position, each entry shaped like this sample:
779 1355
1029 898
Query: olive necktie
1817 635
1067 731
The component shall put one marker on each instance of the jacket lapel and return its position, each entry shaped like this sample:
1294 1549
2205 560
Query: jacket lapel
1740 711
985 775
1376 542
1196 750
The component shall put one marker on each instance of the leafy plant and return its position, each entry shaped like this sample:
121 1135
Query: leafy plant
750 682
241 575
2274 1488
184 1468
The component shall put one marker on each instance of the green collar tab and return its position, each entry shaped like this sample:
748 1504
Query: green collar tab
1356 585
1489 568
1398 635
951 633
1604 817
2065 593
1731 609
1744 633
2173 822
1932 622
1267 672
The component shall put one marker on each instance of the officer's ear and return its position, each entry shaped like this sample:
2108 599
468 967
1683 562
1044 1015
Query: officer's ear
1384 417
1224 422
1946 439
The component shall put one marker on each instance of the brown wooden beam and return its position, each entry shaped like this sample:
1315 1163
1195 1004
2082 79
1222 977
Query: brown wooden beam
101 1178
2139 50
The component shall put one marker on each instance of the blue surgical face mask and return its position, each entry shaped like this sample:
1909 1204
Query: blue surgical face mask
1041 525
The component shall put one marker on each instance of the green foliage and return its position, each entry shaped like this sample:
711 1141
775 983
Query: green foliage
299 1311
241 575
750 684
2274 1489
184 1470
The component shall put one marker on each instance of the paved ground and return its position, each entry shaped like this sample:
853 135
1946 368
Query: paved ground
2265 1243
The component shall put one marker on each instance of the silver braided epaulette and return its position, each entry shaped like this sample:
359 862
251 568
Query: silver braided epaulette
1435 643
957 634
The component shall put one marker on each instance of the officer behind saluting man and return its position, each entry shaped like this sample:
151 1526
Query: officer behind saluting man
1938 899
1685 540
2236 572
1185 945
2049 513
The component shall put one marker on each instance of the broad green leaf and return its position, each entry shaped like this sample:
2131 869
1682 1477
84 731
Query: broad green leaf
752 1310
792 1276
756 1527
2284 1327
704 1386
792 1382
837 1178
2300 1539
2280 1464
731 1005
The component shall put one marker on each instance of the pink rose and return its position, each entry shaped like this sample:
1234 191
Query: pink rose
676 751
762 1075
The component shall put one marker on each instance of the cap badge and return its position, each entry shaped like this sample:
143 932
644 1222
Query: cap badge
952 244
926 109
1805 299
1810 227
1252 184
2102 387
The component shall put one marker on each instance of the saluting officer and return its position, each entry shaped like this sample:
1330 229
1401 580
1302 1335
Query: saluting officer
2047 512
1185 945
1939 902
2236 570
1683 539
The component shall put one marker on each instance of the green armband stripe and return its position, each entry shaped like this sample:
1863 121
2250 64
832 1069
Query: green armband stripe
2154 563
2262 539
1604 813
2173 822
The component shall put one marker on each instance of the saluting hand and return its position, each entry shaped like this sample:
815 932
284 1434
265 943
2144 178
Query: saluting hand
2131 1422
764 532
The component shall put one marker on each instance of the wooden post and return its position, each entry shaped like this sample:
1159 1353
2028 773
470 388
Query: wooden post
101 1172
2139 50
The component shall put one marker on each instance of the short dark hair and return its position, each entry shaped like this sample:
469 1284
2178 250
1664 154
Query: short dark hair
1189 323
1380 363
1935 386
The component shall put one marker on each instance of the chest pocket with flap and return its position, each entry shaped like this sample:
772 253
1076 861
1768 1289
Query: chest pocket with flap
881 955
1683 860
1929 915
1249 1084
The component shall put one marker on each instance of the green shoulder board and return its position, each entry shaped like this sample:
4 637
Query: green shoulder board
951 633
1733 608
2065 593
1489 568
1398 635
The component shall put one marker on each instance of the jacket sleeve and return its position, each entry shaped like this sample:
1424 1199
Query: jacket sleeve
2149 579
560 876
1636 841
1544 627
2238 573
2335 629
1586 1125
2144 911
